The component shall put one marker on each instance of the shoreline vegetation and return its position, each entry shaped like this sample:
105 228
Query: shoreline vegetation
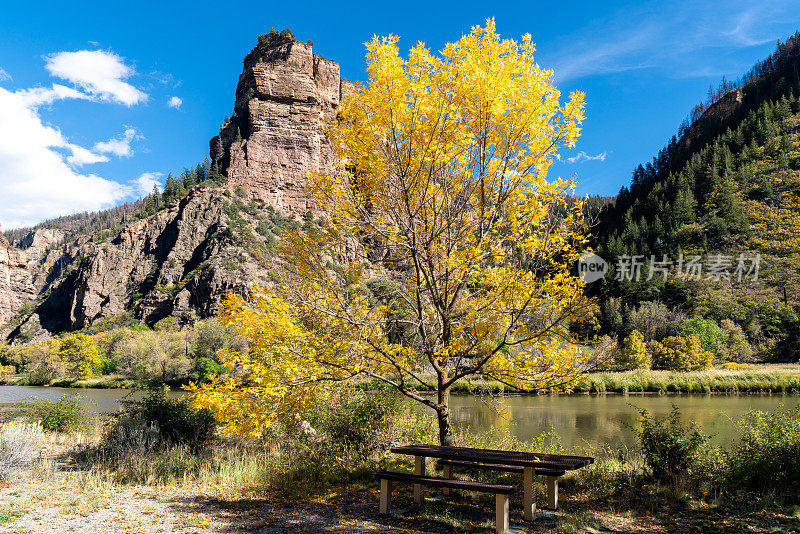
757 379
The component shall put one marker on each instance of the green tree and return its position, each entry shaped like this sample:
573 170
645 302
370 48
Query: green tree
736 347
158 202
170 189
711 336
200 173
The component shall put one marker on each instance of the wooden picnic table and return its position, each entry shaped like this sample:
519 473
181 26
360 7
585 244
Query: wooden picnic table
528 461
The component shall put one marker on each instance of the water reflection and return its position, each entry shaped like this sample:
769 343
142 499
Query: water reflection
581 421
95 400
589 421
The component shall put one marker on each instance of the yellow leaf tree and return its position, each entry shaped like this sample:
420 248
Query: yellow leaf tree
445 253
82 354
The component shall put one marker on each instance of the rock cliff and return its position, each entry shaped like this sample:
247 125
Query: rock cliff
16 280
276 136
181 261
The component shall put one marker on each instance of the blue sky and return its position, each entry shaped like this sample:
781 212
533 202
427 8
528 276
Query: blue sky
99 100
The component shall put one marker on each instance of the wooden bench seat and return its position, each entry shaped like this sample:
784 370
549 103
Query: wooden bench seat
550 475
496 467
501 491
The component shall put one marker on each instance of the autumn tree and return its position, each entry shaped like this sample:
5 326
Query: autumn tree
445 254
81 353
633 353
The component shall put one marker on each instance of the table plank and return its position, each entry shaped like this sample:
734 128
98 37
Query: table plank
518 458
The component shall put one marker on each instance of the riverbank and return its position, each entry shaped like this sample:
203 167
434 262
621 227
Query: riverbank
287 481
765 378
762 378
97 382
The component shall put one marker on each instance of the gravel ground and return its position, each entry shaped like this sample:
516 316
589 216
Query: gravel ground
61 497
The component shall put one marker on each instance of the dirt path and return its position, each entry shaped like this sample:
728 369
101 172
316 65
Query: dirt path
66 502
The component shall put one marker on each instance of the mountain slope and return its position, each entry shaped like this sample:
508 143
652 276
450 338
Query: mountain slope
729 186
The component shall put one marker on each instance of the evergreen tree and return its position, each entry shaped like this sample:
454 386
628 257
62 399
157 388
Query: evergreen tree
213 173
200 173
157 200
187 179
170 189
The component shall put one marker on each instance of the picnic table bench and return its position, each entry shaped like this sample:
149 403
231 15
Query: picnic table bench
550 466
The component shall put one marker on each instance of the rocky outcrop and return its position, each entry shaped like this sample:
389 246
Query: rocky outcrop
37 243
276 135
16 282
181 261
716 113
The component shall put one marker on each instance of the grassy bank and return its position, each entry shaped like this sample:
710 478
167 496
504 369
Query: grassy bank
97 382
766 378
761 379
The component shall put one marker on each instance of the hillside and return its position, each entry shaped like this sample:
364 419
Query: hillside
728 186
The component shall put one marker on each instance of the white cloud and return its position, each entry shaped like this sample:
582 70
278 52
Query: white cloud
37 181
175 102
4 76
120 146
99 73
83 156
147 181
583 156
39 96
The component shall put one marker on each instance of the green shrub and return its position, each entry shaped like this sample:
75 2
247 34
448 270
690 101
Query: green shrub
355 420
275 37
670 449
263 228
680 354
176 420
711 336
168 324
126 435
633 353
767 457
736 347
105 366
205 368
66 415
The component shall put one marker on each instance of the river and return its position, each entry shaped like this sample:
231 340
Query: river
582 422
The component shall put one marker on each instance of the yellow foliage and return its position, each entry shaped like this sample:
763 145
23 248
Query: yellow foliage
81 352
443 182
736 365
681 353
633 353
776 228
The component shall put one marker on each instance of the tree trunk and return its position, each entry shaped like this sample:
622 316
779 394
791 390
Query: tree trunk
443 415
